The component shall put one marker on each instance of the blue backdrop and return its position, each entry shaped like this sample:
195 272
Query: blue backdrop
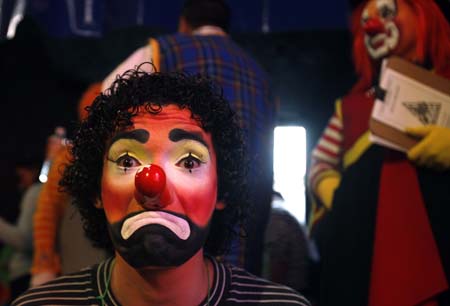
94 18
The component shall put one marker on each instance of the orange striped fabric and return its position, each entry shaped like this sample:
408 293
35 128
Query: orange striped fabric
327 155
49 211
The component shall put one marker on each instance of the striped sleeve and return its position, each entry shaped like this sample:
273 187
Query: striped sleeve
246 289
49 210
327 155
74 289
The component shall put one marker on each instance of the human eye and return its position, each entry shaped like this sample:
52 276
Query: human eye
126 162
189 162
387 10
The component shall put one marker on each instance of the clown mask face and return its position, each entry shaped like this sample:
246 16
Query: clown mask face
170 226
389 29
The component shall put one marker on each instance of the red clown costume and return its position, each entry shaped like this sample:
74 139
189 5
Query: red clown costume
380 217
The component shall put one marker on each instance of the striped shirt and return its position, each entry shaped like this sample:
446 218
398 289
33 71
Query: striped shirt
231 286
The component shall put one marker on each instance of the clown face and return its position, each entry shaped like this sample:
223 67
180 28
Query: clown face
389 29
172 226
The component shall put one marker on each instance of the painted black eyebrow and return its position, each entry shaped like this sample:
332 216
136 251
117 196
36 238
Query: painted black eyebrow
180 134
139 135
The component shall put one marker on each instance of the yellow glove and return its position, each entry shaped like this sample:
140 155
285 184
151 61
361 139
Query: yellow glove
325 189
433 150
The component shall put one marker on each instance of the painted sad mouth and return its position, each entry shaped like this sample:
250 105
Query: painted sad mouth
378 41
178 226
382 43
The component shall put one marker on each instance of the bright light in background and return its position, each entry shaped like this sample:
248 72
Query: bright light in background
289 166
16 17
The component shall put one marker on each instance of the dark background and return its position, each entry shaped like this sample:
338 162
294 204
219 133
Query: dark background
61 46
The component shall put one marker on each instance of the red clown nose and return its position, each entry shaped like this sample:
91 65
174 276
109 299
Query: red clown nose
373 26
150 181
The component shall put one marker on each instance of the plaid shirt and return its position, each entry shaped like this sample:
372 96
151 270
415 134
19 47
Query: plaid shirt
245 85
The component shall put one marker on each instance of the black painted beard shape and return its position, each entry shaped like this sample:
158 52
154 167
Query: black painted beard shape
155 245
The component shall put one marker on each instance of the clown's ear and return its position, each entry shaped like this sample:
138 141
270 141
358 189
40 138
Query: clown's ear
220 205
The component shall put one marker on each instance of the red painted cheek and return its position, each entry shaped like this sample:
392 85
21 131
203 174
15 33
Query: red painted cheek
199 205
115 202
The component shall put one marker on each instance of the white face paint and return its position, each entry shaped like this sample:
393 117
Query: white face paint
386 38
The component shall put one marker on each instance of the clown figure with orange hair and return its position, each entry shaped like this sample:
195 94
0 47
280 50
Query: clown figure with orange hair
380 217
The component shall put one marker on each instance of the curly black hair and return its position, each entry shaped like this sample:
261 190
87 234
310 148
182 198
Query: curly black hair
113 110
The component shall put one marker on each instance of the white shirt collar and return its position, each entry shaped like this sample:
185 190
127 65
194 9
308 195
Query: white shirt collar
209 30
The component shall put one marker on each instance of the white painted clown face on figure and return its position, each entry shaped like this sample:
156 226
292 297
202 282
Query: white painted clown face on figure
389 29
160 217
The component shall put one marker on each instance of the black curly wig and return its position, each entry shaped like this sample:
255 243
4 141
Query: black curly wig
113 110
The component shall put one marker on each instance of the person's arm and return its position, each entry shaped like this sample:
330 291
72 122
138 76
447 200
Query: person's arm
19 235
143 54
324 175
49 211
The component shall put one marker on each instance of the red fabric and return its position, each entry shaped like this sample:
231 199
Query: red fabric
356 110
406 266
